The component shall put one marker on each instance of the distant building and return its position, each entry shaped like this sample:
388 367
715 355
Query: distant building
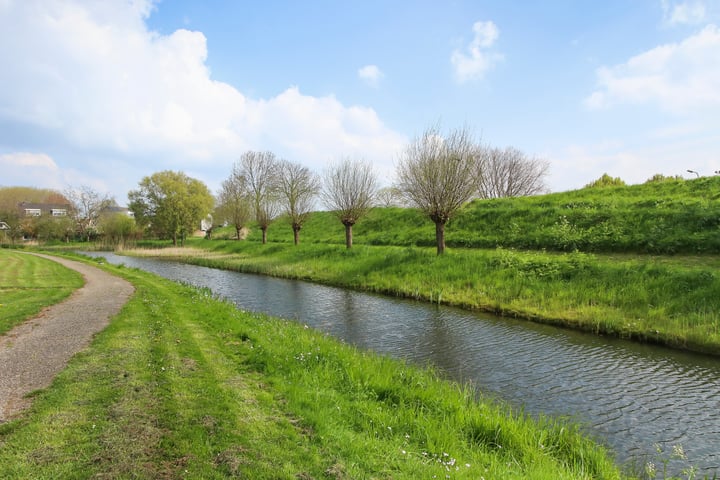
116 209
39 209
206 223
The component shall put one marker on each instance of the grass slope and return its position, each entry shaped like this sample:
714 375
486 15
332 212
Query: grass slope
29 283
181 385
665 217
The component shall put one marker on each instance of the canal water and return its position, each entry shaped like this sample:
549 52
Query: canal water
634 398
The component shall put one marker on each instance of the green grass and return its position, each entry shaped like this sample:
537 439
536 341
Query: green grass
648 270
29 283
182 385
669 217
669 301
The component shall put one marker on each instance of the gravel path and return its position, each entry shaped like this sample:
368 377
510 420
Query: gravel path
32 353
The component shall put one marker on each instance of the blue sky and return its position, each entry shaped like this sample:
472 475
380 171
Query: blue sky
103 93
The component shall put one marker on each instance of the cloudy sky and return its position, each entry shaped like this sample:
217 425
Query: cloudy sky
101 93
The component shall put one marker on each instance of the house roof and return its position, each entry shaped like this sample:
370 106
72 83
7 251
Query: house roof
44 206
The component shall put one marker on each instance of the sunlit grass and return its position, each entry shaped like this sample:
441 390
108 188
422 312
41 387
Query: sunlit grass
674 303
28 283
181 385
670 218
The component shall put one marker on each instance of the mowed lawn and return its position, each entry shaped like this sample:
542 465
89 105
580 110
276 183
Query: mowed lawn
28 283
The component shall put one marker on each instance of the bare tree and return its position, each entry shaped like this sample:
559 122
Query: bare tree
390 197
349 190
510 173
234 203
298 187
260 170
436 174
87 205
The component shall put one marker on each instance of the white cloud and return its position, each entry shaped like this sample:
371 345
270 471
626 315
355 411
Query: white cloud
478 57
43 171
688 12
668 151
677 77
371 75
578 165
93 75
15 160
25 168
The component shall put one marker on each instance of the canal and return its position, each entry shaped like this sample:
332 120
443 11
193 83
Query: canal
632 397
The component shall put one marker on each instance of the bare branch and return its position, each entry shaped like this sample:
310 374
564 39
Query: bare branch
235 204
298 187
349 189
510 173
88 205
260 170
436 174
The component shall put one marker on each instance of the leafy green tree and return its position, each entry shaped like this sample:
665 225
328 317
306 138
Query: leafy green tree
659 177
32 227
170 204
47 228
117 228
12 219
606 181
10 197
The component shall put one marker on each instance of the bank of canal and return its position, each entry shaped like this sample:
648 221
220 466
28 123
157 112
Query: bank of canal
633 397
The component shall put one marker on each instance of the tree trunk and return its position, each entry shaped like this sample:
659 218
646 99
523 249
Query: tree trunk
264 235
440 236
348 235
174 239
237 232
296 234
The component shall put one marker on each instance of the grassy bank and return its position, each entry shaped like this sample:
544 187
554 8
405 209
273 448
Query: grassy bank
663 217
672 301
29 283
181 385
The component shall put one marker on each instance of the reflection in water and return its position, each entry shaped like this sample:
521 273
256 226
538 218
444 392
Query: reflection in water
632 396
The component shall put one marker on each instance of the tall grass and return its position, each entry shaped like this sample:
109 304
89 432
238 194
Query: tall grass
182 385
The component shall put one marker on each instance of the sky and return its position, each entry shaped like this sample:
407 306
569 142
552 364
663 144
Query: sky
102 93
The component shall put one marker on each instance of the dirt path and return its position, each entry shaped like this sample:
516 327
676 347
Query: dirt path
32 353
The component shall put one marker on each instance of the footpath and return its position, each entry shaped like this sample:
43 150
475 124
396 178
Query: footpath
34 352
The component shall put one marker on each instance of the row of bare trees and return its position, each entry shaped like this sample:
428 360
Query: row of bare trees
437 173
261 186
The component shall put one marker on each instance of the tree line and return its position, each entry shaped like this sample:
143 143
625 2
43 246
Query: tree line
437 173
86 215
